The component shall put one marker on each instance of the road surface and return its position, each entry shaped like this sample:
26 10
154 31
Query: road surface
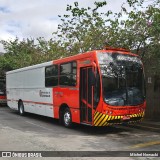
37 133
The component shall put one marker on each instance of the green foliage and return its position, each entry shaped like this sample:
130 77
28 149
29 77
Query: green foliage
135 2
18 54
84 28
143 30
27 52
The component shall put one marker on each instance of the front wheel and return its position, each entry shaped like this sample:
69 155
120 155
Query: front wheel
67 119
21 108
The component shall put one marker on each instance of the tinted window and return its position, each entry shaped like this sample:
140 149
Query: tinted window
2 87
68 74
122 79
51 76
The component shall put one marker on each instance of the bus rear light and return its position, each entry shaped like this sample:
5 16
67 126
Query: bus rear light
106 112
110 112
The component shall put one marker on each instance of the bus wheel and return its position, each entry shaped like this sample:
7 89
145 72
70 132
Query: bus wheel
21 108
67 120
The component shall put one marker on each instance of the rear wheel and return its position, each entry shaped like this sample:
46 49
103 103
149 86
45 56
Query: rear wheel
21 108
67 119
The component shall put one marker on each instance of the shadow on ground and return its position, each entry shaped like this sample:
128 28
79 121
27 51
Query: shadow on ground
53 124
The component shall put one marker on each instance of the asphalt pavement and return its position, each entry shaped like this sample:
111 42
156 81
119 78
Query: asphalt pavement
148 124
38 133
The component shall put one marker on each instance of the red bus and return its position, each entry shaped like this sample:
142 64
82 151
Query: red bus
97 88
2 91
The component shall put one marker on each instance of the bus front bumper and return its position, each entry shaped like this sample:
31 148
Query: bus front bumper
101 119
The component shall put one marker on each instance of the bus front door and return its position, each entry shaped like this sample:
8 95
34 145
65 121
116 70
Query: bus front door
86 95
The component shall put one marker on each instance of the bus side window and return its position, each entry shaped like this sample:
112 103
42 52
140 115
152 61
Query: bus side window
51 76
68 73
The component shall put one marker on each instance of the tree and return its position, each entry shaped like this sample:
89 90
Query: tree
28 52
83 29
142 31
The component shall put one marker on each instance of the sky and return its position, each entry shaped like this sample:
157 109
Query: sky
37 18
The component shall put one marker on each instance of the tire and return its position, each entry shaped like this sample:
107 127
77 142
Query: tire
21 108
67 118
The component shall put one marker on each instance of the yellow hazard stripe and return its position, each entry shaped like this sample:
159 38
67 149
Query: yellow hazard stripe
101 119
96 114
119 117
98 117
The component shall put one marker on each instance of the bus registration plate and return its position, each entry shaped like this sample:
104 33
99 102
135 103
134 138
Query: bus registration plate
126 117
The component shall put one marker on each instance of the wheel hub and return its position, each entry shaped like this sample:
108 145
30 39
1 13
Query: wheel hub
21 109
67 118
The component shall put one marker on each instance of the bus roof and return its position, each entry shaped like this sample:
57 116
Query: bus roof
72 58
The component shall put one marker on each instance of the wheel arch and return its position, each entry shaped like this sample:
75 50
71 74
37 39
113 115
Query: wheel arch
20 100
21 107
62 107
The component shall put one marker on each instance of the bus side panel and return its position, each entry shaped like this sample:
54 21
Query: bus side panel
68 96
13 83
75 115
38 101
29 86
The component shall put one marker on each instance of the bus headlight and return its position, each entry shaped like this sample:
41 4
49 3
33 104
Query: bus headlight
109 112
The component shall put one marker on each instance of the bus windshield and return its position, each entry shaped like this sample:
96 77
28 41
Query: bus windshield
122 79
